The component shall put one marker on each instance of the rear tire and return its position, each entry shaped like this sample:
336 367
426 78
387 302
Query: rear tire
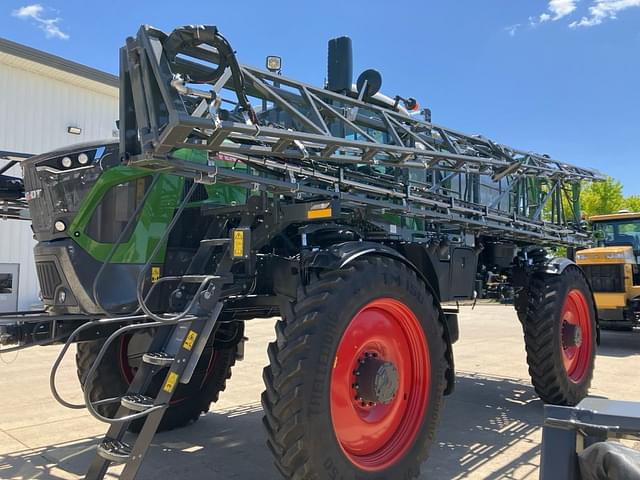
561 357
115 372
375 315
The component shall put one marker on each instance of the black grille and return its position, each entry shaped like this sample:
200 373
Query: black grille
605 278
49 279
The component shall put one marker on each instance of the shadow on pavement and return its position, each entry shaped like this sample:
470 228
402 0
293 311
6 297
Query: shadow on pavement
619 344
483 418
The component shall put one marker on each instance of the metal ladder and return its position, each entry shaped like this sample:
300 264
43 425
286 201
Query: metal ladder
177 346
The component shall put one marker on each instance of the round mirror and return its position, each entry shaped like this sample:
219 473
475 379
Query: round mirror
371 81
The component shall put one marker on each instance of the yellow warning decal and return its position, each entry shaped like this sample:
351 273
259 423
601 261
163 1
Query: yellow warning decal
238 243
189 340
155 274
170 383
319 213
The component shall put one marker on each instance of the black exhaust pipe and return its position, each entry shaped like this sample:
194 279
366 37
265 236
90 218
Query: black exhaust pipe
340 65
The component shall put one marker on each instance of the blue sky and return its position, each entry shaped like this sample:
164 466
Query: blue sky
555 76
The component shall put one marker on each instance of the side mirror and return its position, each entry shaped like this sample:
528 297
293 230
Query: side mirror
368 84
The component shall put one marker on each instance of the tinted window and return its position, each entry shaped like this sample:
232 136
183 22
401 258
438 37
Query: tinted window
116 208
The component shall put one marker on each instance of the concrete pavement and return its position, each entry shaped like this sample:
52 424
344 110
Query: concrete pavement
490 426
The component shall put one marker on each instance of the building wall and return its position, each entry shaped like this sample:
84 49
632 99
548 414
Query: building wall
38 105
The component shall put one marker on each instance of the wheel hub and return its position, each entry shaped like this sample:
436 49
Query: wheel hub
376 380
571 335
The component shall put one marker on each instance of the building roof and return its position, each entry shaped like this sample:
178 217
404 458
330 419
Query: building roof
59 63
615 216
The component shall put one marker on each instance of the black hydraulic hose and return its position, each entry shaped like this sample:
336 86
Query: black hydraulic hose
194 35
117 333
63 351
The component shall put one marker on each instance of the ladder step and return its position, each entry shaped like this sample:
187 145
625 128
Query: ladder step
212 242
137 402
161 359
114 450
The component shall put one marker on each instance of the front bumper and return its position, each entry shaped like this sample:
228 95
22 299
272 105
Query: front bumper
67 273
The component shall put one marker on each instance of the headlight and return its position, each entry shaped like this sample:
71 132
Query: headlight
71 163
618 255
581 257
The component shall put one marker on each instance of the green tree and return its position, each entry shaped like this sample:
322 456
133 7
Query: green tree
599 198
632 203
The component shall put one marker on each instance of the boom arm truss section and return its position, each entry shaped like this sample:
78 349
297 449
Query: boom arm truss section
303 141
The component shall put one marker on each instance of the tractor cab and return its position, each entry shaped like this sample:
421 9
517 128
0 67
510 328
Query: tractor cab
619 229
612 268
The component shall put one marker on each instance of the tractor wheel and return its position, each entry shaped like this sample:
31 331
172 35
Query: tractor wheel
356 377
560 336
118 367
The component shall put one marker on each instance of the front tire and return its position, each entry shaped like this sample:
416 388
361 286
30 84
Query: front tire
357 374
560 336
116 371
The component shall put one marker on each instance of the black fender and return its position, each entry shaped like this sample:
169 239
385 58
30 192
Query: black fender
340 255
557 266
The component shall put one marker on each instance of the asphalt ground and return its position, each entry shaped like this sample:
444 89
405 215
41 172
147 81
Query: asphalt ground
490 428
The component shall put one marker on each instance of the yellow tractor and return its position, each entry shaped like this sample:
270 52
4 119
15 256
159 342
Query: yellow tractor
612 269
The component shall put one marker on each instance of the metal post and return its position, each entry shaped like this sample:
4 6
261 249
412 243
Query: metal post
558 460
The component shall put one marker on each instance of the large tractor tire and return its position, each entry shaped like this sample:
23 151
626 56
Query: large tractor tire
560 336
356 377
118 367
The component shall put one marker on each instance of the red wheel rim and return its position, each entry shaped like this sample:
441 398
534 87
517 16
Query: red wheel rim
576 335
375 436
125 362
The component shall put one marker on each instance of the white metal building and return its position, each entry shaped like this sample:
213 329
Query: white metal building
43 98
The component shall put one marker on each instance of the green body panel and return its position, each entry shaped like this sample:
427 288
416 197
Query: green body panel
155 215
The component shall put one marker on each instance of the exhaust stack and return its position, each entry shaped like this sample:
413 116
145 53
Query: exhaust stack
340 65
